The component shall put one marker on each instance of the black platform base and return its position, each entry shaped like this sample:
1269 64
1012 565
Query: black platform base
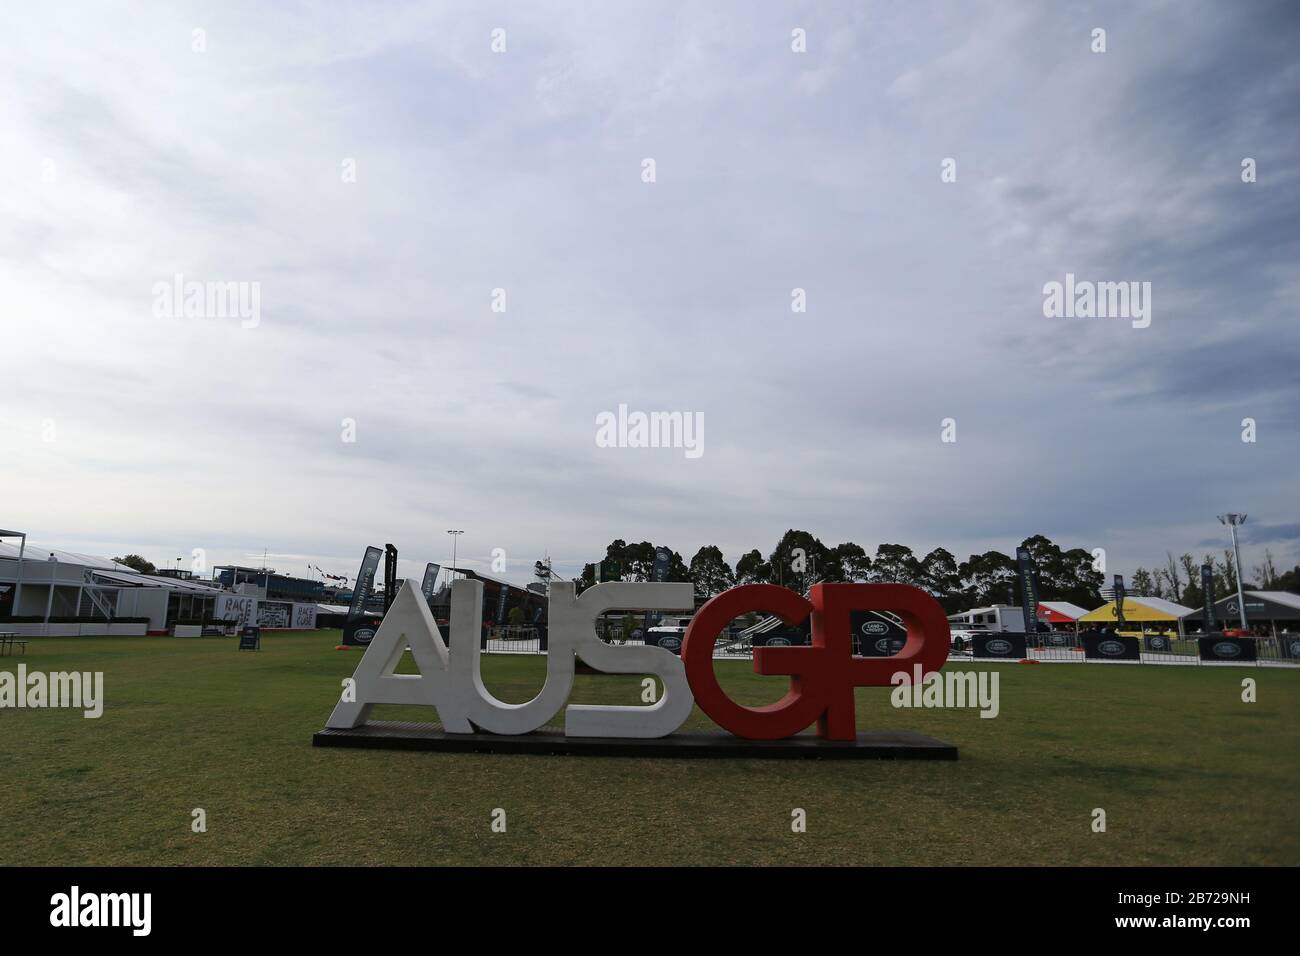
870 745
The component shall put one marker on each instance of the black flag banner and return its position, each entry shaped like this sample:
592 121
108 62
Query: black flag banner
360 626
430 580
1207 595
1028 575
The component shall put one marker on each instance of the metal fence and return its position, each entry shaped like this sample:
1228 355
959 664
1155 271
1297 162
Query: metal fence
1282 650
510 639
532 640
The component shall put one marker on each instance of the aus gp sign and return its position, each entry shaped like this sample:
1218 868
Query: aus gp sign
823 675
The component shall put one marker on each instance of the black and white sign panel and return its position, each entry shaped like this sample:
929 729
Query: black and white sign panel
1222 649
304 616
1111 647
1010 646
271 614
234 607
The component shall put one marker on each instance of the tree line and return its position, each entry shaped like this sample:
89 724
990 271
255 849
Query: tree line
801 559
1179 580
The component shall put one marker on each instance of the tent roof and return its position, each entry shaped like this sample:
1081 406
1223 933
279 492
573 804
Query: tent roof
1065 609
1275 605
104 568
1139 608
135 579
1285 598
35 553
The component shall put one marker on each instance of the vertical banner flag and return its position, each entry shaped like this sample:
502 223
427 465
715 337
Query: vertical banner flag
1207 592
430 581
358 630
390 576
663 561
1028 588
1119 599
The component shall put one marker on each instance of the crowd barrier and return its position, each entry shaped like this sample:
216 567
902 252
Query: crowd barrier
1172 649
1049 647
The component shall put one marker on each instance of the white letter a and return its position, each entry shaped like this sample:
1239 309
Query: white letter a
408 622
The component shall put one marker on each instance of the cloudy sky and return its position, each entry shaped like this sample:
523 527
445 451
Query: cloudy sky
379 170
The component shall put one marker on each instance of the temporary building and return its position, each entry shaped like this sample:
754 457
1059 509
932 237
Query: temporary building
1276 608
1140 609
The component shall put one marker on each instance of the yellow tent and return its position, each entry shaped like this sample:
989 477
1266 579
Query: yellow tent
1140 609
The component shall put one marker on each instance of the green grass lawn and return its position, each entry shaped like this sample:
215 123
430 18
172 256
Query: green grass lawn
1186 772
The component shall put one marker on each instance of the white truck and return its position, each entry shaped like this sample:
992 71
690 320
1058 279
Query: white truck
999 618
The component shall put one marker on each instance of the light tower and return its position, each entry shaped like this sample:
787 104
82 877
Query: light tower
1232 520
451 575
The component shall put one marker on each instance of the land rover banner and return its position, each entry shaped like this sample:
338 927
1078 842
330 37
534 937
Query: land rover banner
874 635
1158 642
669 642
784 637
1289 645
1028 575
1101 647
359 628
663 561
1221 649
1011 646
880 646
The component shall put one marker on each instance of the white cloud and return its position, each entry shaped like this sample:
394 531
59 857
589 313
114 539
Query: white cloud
521 171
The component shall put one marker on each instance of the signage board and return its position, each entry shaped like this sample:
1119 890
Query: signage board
304 616
874 646
1207 595
359 627
250 638
875 635
1028 576
274 614
1004 645
785 637
672 643
822 675
430 582
1217 648
1111 647
236 608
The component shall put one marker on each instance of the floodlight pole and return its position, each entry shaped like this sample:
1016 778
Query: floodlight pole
1232 520
18 584
451 575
